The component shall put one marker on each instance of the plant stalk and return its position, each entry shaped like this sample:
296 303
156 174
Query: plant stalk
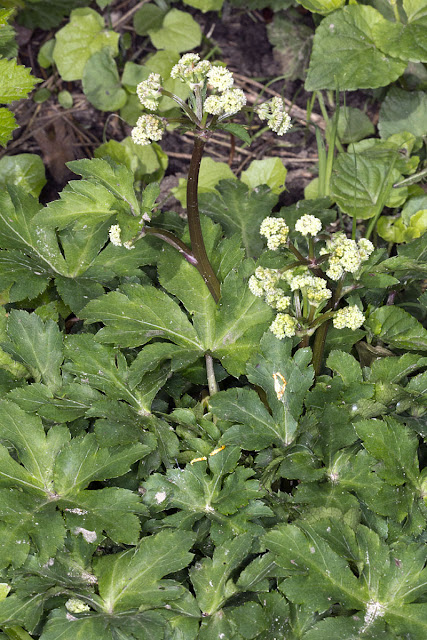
212 383
196 236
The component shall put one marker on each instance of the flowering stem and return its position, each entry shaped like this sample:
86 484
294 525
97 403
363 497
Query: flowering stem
184 106
174 242
196 236
213 387
322 331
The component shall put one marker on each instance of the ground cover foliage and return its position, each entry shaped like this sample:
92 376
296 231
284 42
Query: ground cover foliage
180 459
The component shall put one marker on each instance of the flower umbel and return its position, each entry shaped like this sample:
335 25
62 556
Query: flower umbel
148 129
115 233
276 231
350 317
273 111
220 78
148 91
345 255
308 225
284 326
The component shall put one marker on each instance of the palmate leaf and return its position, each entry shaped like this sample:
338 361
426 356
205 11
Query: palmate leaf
397 328
239 211
211 577
223 493
37 345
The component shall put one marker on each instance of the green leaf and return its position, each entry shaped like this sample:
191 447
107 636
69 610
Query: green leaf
403 111
361 183
179 32
16 81
396 446
141 160
346 55
37 344
82 36
269 171
317 575
134 578
25 169
322 6
353 125
237 130
148 17
239 211
16 610
406 40
7 125
113 510
101 82
397 328
137 315
211 577
256 429
83 460
346 366
205 5
211 173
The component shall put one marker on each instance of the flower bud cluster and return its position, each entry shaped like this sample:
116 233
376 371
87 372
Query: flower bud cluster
264 283
345 255
115 237
313 287
148 129
273 111
149 93
227 103
191 70
308 225
284 326
276 231
349 317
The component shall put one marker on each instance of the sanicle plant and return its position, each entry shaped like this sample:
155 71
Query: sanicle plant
213 101
286 501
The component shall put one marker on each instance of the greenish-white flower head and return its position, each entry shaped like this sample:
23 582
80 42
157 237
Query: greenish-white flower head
313 287
148 91
227 103
148 129
264 283
284 326
308 225
115 235
274 113
74 605
276 231
345 255
220 79
191 70
277 300
349 317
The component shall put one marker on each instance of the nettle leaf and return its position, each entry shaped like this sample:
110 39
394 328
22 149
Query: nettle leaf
406 41
211 577
7 125
360 183
134 578
239 211
84 35
37 345
346 52
397 328
136 314
16 81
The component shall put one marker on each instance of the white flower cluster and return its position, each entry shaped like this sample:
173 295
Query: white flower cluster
227 103
191 70
276 231
308 225
345 255
115 237
349 317
148 129
284 326
264 283
148 91
273 111
314 288
220 78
